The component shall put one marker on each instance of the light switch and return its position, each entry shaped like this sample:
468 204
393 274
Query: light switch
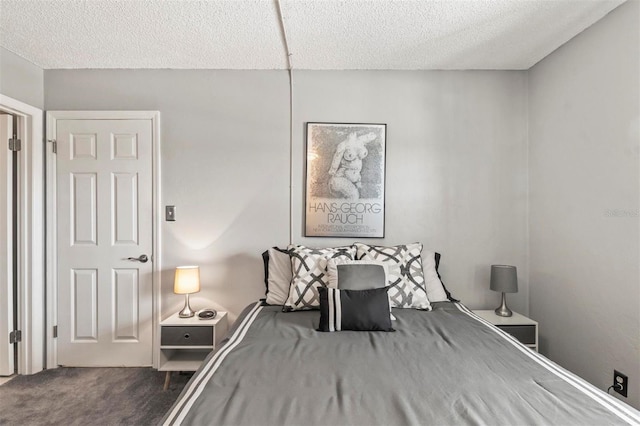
170 213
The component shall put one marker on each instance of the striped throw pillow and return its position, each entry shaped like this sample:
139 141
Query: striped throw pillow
358 310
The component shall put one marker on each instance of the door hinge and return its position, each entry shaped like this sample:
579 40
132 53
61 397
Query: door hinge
54 144
15 336
15 144
55 331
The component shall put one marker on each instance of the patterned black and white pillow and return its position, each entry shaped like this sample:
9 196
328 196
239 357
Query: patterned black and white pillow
309 266
359 310
404 273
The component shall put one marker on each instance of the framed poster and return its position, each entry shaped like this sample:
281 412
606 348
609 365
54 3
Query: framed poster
345 180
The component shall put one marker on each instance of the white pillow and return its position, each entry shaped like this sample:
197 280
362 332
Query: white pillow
435 289
279 277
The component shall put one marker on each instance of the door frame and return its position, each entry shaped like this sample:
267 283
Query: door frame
7 247
31 235
51 195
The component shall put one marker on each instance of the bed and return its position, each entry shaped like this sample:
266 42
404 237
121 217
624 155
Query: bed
370 335
443 366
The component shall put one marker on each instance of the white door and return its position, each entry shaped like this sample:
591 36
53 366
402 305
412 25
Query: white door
104 187
6 246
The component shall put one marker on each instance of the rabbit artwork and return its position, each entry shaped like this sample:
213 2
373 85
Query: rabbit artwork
345 171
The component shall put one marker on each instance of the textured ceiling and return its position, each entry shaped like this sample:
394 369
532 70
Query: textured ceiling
321 34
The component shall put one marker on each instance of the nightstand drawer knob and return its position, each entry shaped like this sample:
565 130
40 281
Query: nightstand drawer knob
187 335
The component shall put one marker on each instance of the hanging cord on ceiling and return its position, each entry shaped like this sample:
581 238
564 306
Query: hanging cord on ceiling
283 33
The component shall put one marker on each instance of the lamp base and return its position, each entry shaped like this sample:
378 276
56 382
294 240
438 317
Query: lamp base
503 310
186 312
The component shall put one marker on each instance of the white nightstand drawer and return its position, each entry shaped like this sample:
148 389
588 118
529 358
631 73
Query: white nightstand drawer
186 336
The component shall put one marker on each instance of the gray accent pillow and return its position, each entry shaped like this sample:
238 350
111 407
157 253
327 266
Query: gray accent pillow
358 275
348 274
361 277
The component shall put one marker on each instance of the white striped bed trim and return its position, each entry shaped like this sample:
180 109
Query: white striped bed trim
618 408
335 309
196 386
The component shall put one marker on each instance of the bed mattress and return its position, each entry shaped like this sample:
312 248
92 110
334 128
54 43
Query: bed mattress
446 366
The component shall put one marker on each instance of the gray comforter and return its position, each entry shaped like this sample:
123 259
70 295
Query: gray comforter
439 368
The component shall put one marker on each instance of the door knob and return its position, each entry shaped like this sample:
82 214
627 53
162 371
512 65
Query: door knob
142 258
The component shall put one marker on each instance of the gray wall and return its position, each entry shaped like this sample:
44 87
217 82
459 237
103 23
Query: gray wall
456 165
225 165
584 199
20 79
474 159
456 177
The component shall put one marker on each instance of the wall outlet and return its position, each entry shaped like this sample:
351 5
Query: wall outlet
620 383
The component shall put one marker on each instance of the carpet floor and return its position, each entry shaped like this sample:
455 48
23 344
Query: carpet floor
89 396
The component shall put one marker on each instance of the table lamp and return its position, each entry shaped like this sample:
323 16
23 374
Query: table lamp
504 278
187 281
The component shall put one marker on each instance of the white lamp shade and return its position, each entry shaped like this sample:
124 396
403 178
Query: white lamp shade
187 280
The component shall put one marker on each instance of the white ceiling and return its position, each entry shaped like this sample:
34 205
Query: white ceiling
321 34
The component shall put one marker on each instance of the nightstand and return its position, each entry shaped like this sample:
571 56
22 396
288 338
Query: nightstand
522 328
186 342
